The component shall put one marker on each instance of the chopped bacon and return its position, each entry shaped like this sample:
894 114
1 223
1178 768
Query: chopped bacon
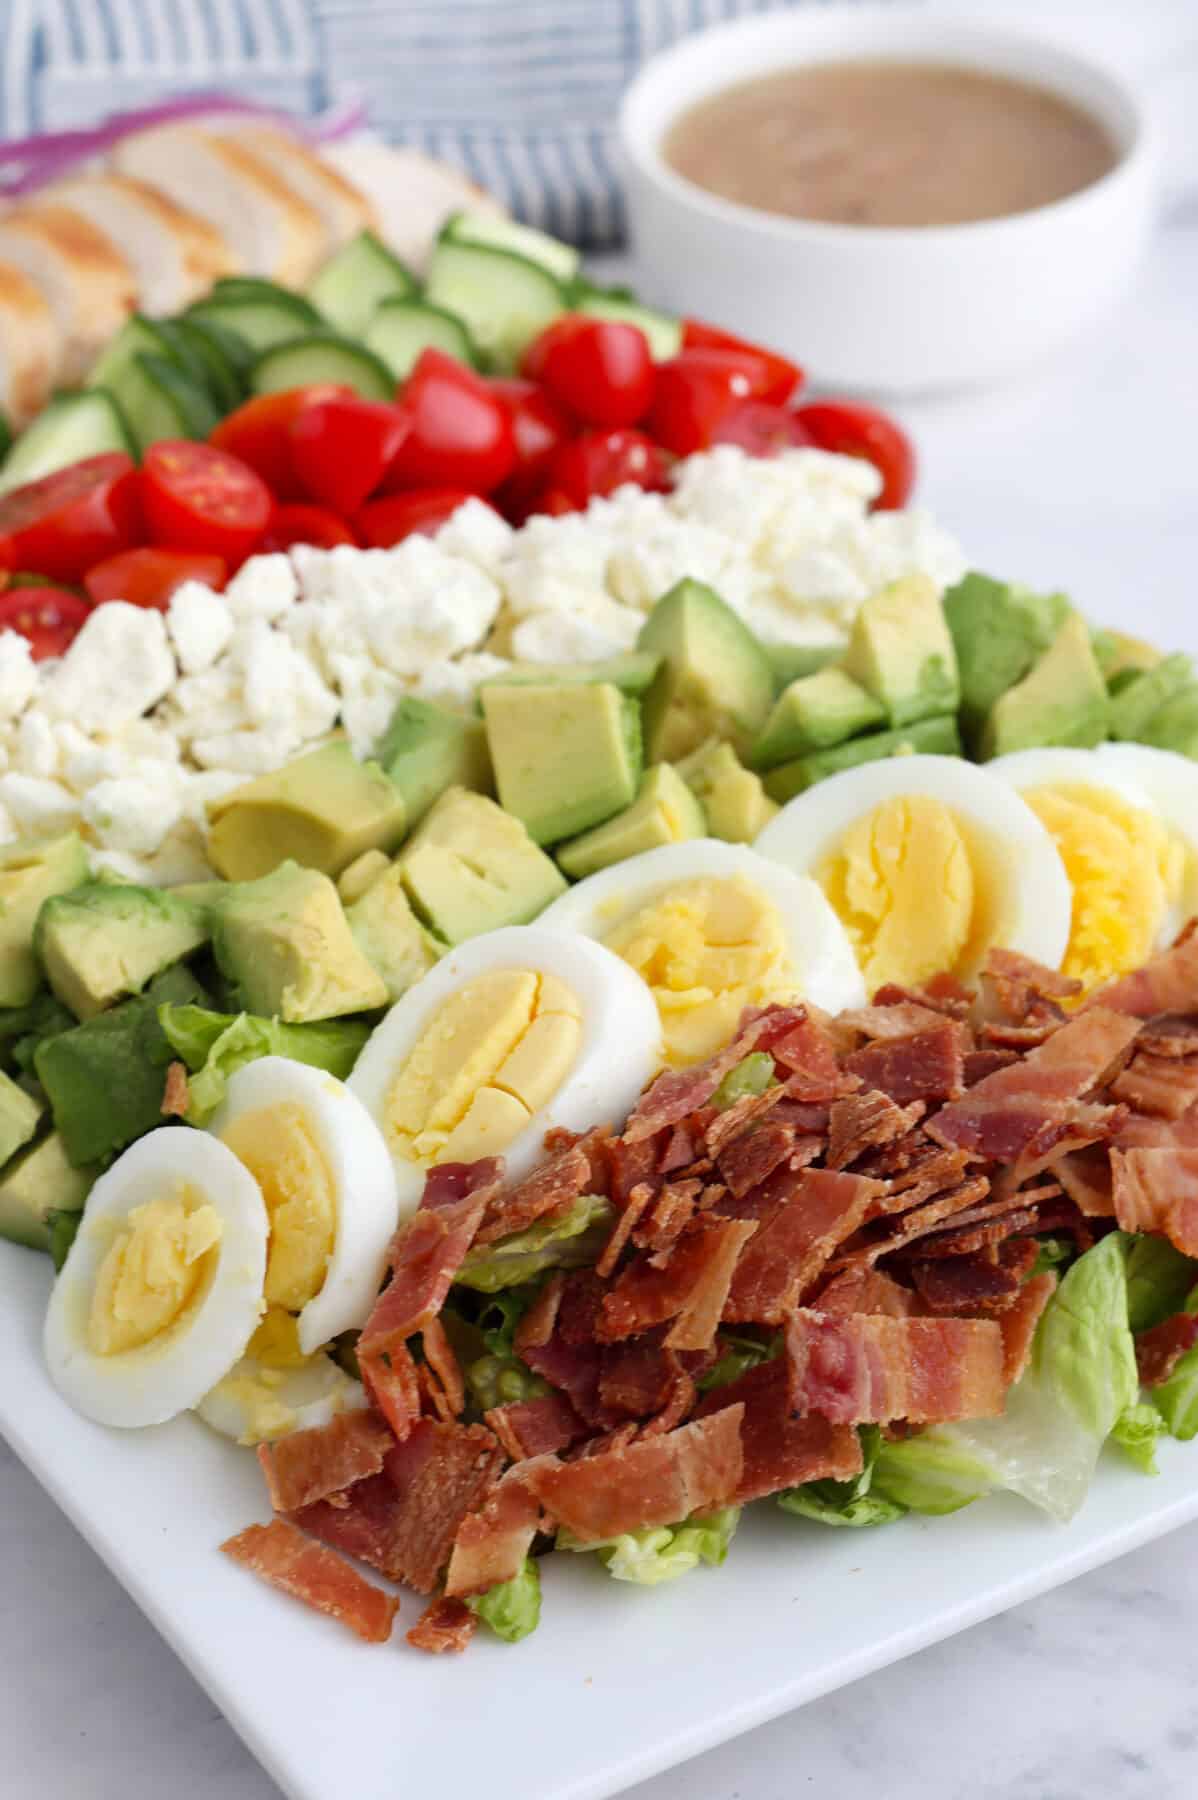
929 1065
444 1625
428 1249
903 1019
536 1427
654 1481
681 1091
1167 984
632 1165
980 1063
176 1095
594 1145
492 1543
779 1450
641 1197
1085 1176
1028 1036
439 1355
540 1321
978 1229
1022 986
865 1291
868 1367
747 1161
726 1126
961 1284
283 1556
689 1287
861 1122
929 1172
569 1358
796 1237
1018 1324
1140 1131
943 994
866 1249
670 1214
549 1189
1165 1085
638 1377
1161 1347
1172 1034
682 1148
807 1057
392 1383
1157 1190
308 1465
678 1403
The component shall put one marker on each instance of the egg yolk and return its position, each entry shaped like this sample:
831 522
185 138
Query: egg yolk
1127 874
276 1341
153 1272
904 882
278 1148
707 948
492 1056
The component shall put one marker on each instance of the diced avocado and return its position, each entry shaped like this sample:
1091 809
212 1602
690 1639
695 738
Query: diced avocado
565 757
353 882
427 748
664 812
1135 706
812 713
98 944
999 629
1061 700
715 677
389 935
19 1115
733 799
901 651
927 737
1118 654
200 893
30 871
1174 726
631 673
470 867
285 943
35 1187
790 661
321 811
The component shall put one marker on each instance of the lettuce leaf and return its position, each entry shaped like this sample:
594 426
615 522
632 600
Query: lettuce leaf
214 1045
930 1473
1158 1280
513 1608
568 1242
846 1502
1136 1431
1177 1399
753 1075
738 1354
663 1552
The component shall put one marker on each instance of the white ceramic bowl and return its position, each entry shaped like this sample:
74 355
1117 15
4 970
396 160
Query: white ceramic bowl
898 310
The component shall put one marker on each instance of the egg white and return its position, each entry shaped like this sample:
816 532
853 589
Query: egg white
150 1384
619 1050
360 1171
308 1396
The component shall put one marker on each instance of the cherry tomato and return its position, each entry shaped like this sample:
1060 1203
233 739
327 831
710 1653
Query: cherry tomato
300 524
65 522
696 389
461 433
342 448
853 430
538 423
784 376
149 577
601 369
49 617
761 428
387 521
199 498
259 433
599 462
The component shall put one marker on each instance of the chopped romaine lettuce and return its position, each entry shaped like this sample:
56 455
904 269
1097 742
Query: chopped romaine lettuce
1158 1280
752 1076
214 1045
1054 1253
1136 1430
930 1473
1177 1399
738 1354
495 1380
663 1552
513 1609
569 1242
848 1503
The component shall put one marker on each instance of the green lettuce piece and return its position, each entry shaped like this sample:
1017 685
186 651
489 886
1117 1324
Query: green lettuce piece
1158 1280
496 1380
738 1354
930 1473
214 1045
568 1242
1136 1431
663 1552
1177 1399
513 1609
23 1028
752 1076
846 1503
1053 1254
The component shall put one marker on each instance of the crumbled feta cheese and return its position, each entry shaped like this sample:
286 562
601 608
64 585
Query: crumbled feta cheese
605 630
122 865
247 752
282 689
435 605
213 701
36 805
118 667
478 533
454 682
200 623
134 813
369 696
262 588
18 673
35 751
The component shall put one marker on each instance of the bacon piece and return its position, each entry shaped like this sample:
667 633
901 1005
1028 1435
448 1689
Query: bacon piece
979 1229
549 1189
681 1091
903 1019
638 1377
964 1283
779 1450
594 1145
808 1057
943 994
308 1465
1164 1085
1166 984
867 1121
540 1321
797 1235
1085 1176
569 1358
536 1427
866 1249
1139 1131
689 1287
929 1065
931 1172
1018 1324
641 1197
1161 1347
439 1355
1019 1037
655 1481
283 1556
491 1544
978 1064
865 1291
444 1625
725 1127
671 1213
1022 986
678 1403
428 1249
392 1383
176 1095
868 1367
1157 1190
633 1165
1172 1034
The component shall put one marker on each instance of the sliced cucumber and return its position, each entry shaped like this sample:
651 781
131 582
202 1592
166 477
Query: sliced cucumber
260 321
504 300
663 332
497 233
161 401
356 281
5 437
322 356
401 329
237 351
209 359
138 336
72 427
261 292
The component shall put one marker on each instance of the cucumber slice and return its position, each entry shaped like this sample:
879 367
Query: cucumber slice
401 329
5 437
260 321
356 281
211 362
497 233
72 427
236 350
161 401
261 292
322 356
663 332
504 300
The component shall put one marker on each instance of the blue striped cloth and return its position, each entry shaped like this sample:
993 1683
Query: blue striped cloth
522 94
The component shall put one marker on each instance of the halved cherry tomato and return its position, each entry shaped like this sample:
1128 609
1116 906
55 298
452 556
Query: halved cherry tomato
784 375
199 498
853 430
342 448
461 433
149 577
601 369
49 617
300 524
694 390
538 423
65 522
394 517
259 433
599 462
761 428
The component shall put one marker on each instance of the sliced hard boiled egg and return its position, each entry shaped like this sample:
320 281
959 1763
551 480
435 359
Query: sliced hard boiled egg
275 1389
162 1288
927 862
509 1035
712 928
328 1186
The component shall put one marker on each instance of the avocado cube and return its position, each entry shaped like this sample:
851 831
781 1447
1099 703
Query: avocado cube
998 630
813 713
901 651
19 1116
664 812
470 867
285 944
100 943
733 798
565 757
389 935
321 811
632 673
353 882
34 1187
715 679
926 737
791 661
1118 654
30 871
427 748
1135 706
1062 700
